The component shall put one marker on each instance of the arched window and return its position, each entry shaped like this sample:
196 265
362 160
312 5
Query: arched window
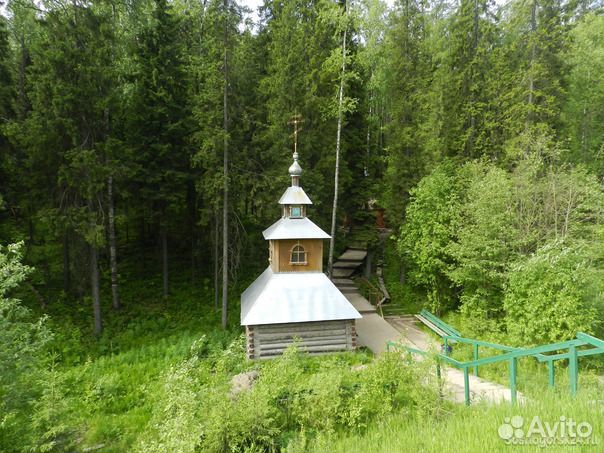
298 255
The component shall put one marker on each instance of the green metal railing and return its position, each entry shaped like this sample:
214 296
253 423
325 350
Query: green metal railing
449 330
511 355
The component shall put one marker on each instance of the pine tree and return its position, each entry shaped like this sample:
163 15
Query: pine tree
6 79
340 114
211 68
225 165
532 84
300 38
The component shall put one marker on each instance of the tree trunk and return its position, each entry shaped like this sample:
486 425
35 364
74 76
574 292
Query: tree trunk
334 211
225 198
164 259
30 230
368 139
66 263
531 87
368 264
94 286
216 266
38 296
112 246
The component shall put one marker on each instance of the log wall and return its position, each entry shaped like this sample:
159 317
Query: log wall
270 340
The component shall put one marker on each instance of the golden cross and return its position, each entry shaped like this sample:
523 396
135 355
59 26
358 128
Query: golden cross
296 119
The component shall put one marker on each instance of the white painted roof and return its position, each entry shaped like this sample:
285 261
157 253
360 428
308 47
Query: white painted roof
294 195
286 228
276 298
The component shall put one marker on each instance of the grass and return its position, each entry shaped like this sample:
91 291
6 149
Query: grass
112 395
110 382
473 429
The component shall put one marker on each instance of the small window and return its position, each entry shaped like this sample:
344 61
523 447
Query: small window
295 212
298 255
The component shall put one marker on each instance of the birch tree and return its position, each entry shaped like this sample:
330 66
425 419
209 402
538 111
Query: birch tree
341 108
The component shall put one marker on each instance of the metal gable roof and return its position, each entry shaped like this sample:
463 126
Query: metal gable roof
287 228
276 298
294 195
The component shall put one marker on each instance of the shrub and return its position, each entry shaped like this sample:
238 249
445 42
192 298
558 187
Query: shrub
294 394
553 294
22 352
51 421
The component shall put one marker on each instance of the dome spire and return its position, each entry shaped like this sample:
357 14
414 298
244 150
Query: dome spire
295 170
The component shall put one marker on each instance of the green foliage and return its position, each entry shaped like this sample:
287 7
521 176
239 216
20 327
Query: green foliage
581 115
484 242
51 417
554 294
293 393
406 75
470 237
430 224
509 230
158 114
404 297
23 339
6 79
176 423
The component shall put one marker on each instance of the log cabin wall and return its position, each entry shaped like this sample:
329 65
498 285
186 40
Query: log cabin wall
270 340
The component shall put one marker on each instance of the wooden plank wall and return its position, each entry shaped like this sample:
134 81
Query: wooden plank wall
321 337
282 253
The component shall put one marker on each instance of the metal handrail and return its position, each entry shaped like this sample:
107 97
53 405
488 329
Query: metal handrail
512 355
440 323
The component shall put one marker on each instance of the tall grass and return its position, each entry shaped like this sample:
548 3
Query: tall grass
473 429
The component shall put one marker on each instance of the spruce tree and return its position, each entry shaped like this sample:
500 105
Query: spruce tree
72 93
160 126
6 100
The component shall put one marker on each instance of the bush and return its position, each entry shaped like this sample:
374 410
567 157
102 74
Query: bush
22 353
51 422
472 233
553 294
293 394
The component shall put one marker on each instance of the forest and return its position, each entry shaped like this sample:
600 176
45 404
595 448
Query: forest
144 145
